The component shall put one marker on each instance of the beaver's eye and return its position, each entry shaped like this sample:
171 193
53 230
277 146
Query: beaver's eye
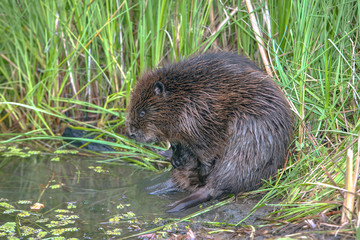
141 114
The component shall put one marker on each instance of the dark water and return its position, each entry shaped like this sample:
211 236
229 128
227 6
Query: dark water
102 200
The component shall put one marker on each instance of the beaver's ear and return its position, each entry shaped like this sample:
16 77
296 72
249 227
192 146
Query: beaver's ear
159 89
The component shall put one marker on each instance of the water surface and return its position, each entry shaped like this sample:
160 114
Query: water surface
89 200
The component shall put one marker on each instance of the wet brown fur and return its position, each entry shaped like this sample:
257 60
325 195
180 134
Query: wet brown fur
229 121
186 169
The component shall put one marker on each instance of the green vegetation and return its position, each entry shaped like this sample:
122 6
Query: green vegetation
74 63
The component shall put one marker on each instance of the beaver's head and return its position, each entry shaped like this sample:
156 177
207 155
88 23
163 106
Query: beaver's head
147 112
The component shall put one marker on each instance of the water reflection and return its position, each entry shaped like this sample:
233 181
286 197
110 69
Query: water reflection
94 192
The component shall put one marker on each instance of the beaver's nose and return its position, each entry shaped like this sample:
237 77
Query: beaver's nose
130 133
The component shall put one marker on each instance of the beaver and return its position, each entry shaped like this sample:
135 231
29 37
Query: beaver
227 121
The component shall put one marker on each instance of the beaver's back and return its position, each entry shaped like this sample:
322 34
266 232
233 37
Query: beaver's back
226 82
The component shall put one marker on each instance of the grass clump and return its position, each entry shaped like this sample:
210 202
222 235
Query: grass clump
75 62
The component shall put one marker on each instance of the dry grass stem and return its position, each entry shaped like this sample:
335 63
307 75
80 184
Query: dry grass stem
258 36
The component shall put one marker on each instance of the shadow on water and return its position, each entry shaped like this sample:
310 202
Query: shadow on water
91 200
